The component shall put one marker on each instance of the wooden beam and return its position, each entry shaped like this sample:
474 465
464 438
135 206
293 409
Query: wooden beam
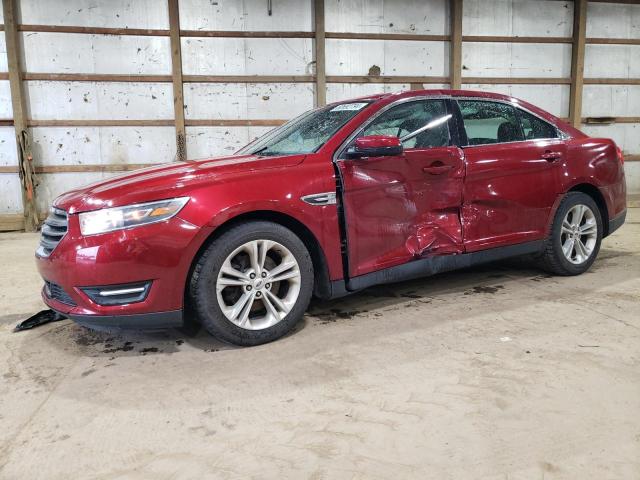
455 54
516 80
233 123
613 41
101 123
612 81
387 36
176 76
577 61
245 34
93 30
384 79
512 39
96 77
320 43
248 78
19 108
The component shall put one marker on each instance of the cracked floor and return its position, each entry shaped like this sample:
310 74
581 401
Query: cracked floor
496 372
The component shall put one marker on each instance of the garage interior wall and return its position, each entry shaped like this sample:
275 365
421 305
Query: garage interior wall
99 80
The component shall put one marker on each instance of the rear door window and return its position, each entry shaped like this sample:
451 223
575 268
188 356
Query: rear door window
534 127
488 122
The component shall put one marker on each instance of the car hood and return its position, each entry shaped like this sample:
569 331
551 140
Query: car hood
167 181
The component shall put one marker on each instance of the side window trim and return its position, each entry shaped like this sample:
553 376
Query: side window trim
462 137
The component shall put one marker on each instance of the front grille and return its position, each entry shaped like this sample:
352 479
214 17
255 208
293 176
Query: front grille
56 292
53 229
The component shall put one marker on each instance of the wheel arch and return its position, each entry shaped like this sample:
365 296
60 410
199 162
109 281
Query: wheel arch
321 283
596 195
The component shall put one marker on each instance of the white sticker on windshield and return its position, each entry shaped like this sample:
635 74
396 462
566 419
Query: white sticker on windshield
348 106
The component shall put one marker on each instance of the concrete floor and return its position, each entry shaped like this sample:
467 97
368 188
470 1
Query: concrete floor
499 372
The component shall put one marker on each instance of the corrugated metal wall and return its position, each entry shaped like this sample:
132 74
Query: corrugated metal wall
267 103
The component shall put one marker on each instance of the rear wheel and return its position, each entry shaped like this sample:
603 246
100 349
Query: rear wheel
575 237
252 284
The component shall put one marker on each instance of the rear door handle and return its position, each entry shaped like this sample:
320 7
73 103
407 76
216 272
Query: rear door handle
437 168
550 156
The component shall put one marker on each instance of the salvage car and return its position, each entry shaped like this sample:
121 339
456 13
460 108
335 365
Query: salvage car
357 193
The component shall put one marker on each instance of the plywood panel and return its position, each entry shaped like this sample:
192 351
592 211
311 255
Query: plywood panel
90 100
385 57
250 56
516 60
80 53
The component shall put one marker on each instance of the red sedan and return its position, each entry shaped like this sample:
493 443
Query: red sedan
373 190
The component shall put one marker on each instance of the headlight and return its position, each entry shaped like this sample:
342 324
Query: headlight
117 218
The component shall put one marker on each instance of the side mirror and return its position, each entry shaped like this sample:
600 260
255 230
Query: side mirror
375 146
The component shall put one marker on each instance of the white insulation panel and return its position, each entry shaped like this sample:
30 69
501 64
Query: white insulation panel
387 57
486 59
8 151
611 20
247 56
611 101
103 145
10 194
247 101
79 53
423 17
204 142
5 100
539 18
626 135
99 100
612 61
243 15
97 13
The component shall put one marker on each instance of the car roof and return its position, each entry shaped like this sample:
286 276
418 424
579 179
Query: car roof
391 97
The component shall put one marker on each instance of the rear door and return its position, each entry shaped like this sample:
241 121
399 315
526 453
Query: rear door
398 208
512 174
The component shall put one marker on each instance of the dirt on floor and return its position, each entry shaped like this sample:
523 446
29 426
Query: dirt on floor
494 373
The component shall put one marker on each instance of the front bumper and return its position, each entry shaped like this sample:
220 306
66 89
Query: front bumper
158 253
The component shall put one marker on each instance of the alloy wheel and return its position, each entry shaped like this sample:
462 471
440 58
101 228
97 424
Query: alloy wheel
258 284
579 234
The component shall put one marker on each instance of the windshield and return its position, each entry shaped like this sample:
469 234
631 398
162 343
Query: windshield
306 133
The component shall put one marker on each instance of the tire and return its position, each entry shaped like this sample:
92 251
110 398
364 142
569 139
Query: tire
584 249
231 292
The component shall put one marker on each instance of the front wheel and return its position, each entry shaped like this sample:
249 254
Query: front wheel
575 237
252 284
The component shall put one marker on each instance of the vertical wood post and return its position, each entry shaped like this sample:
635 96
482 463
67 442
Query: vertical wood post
455 64
18 104
577 61
176 74
321 81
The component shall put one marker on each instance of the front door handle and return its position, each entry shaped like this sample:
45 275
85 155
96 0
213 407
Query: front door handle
550 156
437 168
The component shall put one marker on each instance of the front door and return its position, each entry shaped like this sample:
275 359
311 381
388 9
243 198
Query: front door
399 208
512 174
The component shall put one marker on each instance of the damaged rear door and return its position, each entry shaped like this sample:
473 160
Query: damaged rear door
404 206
